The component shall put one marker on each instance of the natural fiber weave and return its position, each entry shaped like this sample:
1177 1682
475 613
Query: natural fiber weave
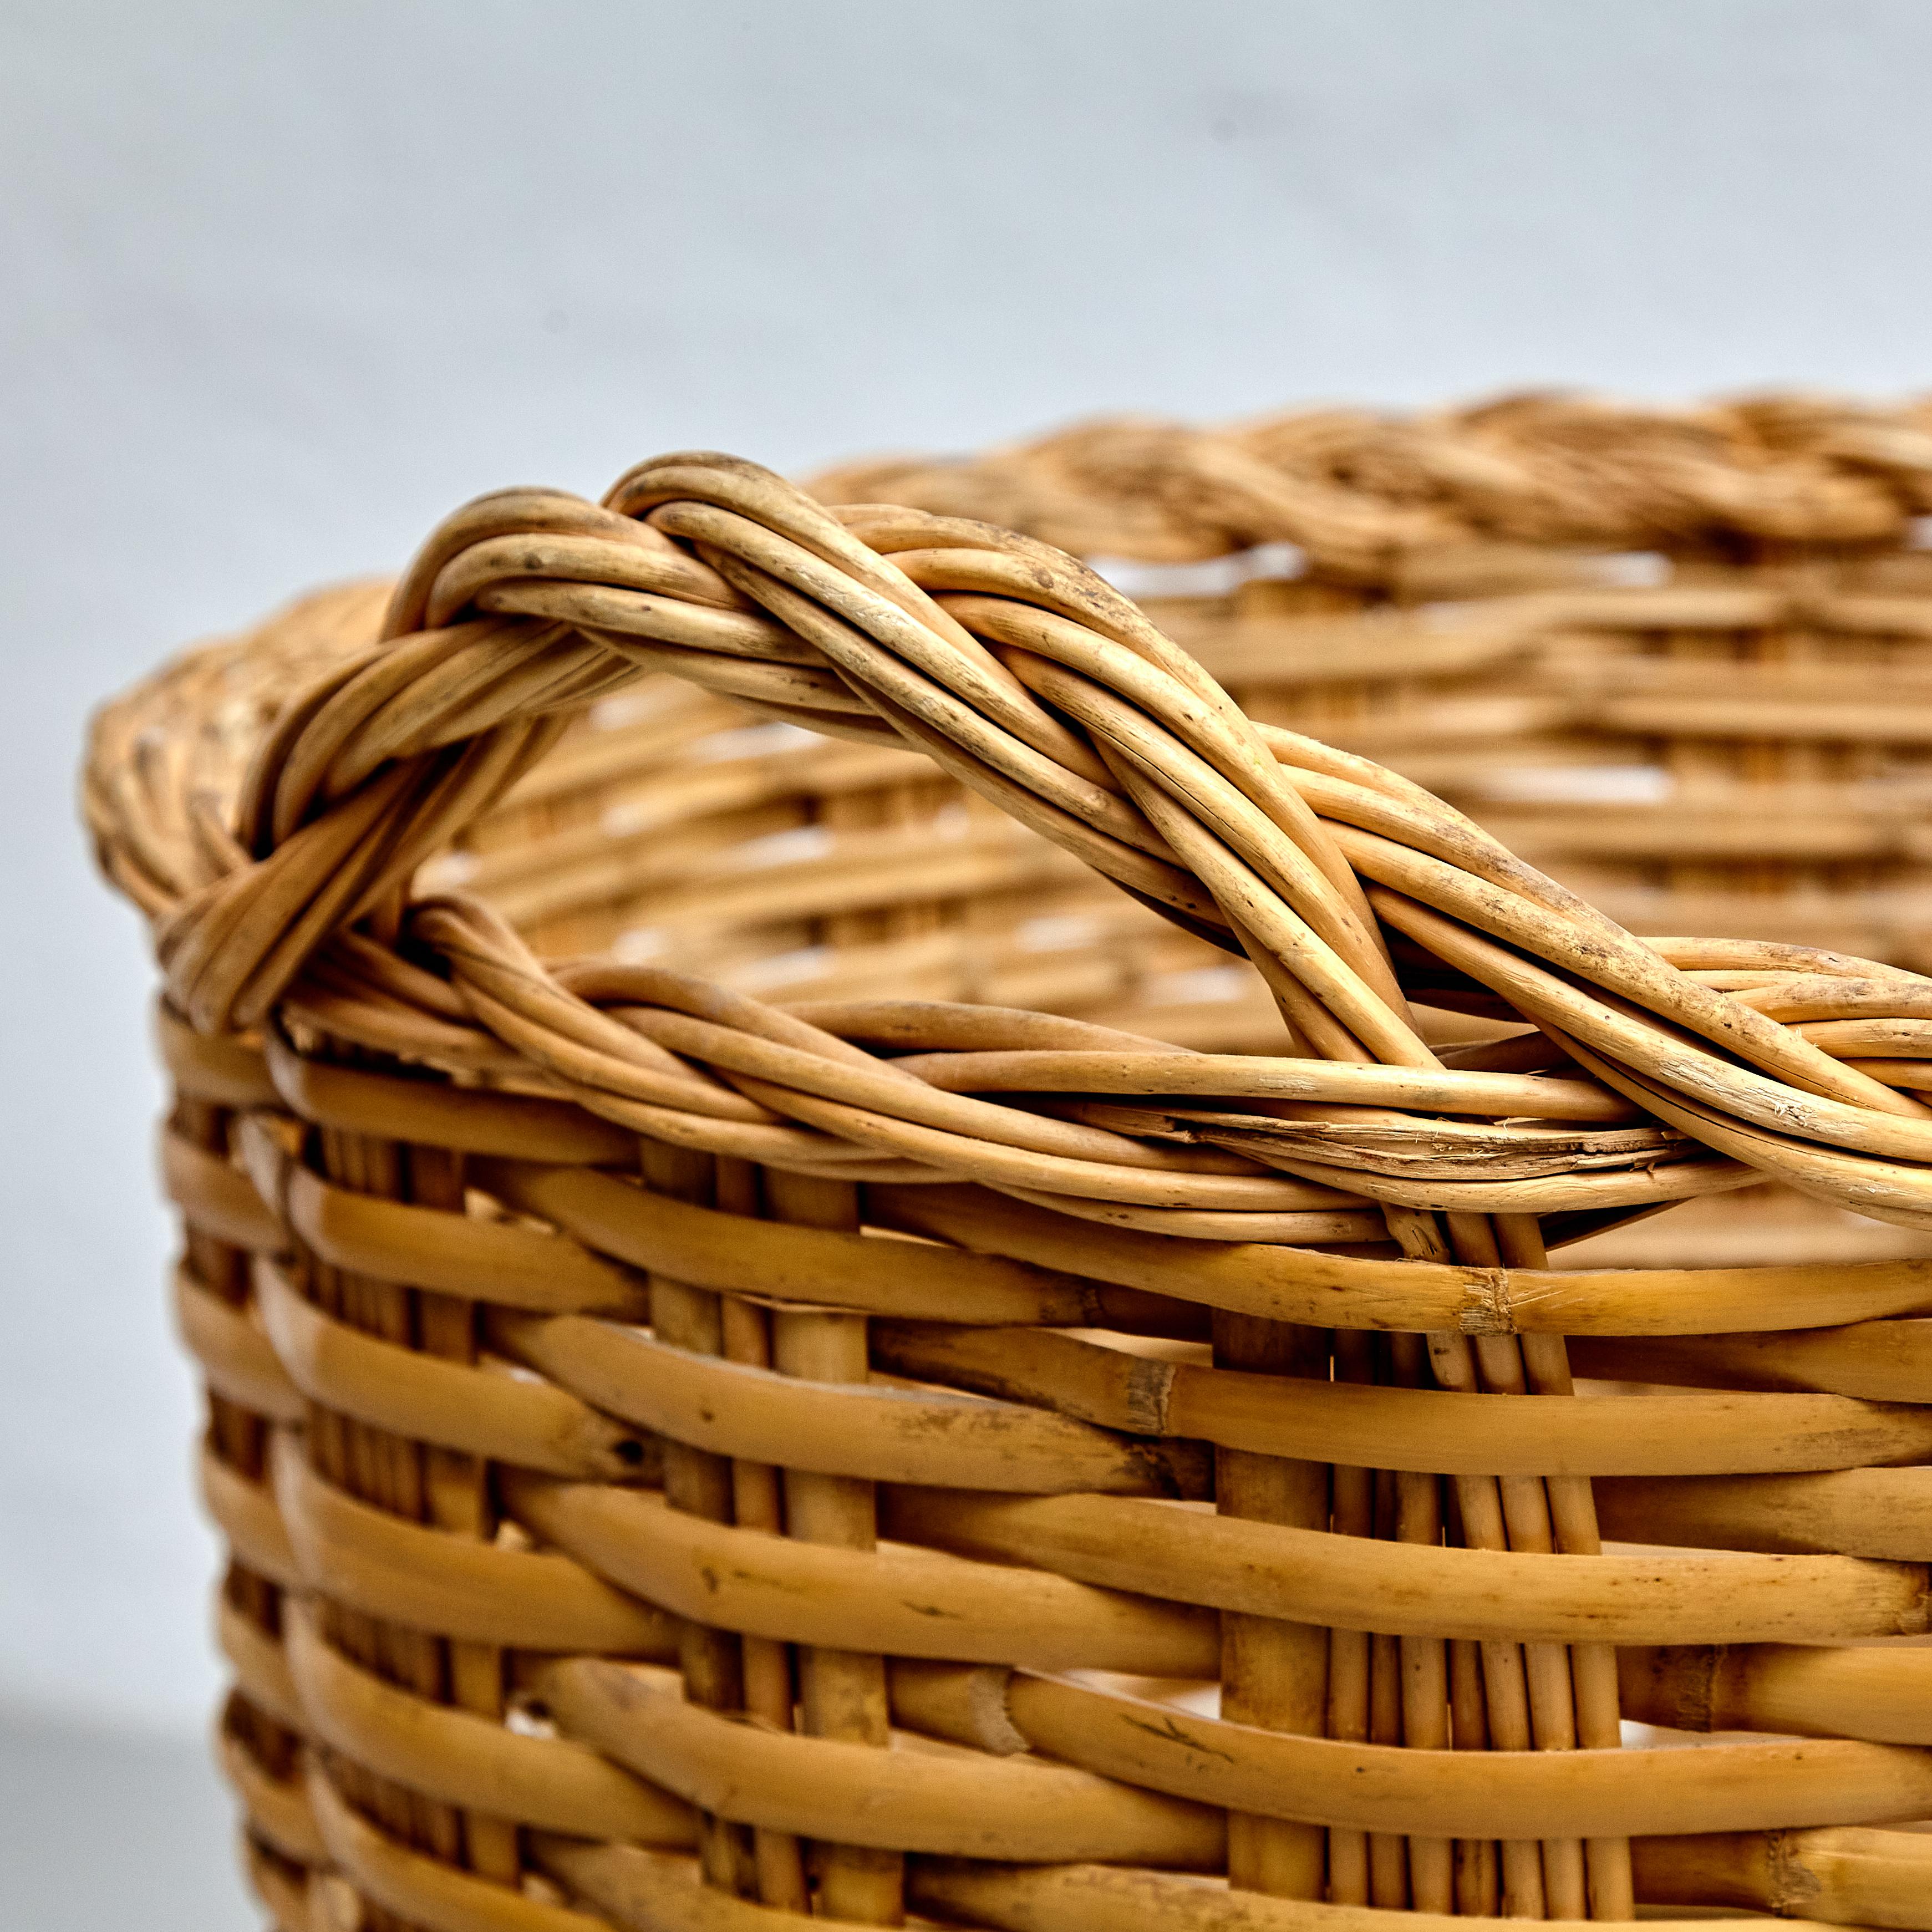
1679 660
691 1460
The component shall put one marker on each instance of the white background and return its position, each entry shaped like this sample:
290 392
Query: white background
284 283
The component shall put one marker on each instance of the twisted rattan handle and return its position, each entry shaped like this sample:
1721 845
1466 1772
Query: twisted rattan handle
1031 681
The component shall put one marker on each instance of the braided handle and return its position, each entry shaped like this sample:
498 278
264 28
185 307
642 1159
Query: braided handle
1028 678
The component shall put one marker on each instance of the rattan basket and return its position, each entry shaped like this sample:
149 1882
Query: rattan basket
861 1252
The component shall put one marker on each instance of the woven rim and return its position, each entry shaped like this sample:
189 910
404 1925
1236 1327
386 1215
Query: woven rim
1356 490
1692 1066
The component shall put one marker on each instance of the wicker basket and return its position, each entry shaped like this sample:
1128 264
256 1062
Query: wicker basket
911 1280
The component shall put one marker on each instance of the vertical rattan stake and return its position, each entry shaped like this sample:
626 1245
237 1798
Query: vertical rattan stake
842 1692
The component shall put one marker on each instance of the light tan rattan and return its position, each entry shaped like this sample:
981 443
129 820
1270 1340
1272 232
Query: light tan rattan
778 1345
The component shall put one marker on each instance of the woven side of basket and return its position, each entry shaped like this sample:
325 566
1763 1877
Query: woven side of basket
1679 660
938 1415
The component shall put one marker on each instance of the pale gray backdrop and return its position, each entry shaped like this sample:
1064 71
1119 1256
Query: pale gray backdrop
284 283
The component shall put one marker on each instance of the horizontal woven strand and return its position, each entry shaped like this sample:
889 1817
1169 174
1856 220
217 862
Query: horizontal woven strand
1356 1582
900 1599
917 1800
533 1424
1583 1794
462 1759
387 1567
1412 1429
